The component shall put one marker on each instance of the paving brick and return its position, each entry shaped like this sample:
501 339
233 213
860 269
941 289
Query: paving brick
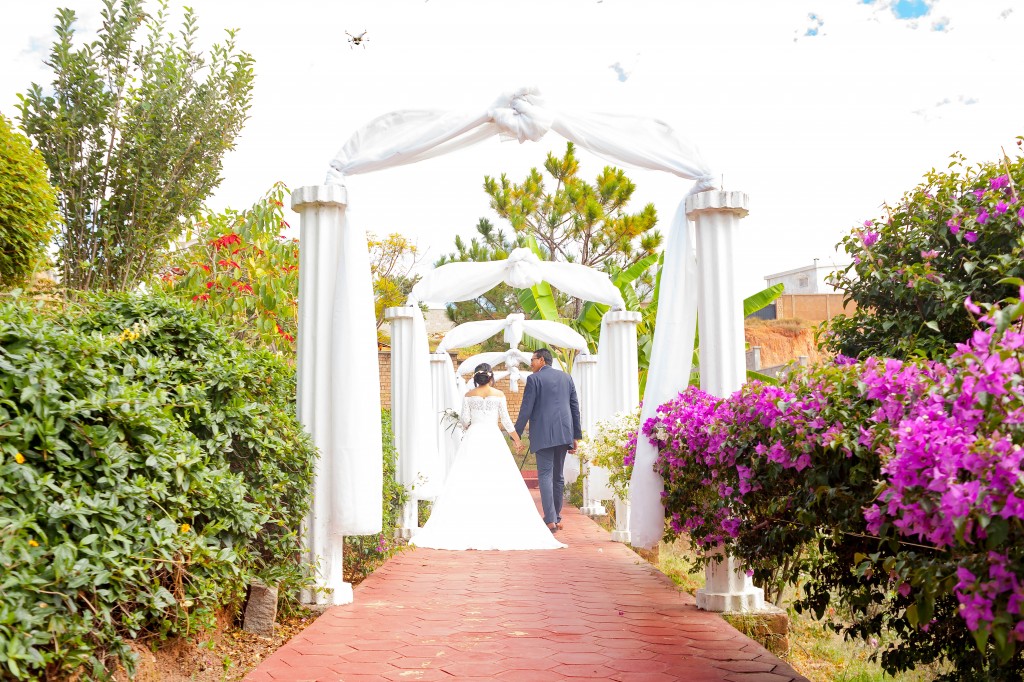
592 611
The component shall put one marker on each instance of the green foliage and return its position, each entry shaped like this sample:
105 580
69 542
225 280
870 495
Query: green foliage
364 553
244 271
392 259
149 467
28 207
609 447
954 236
133 135
577 221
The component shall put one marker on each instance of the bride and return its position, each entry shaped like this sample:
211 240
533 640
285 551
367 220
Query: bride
485 503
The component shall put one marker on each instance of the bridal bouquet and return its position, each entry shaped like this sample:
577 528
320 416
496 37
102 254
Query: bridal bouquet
450 420
613 446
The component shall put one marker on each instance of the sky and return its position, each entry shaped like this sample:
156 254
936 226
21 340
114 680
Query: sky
822 111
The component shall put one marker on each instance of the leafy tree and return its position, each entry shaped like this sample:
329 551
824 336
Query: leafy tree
577 221
952 238
133 134
28 208
241 268
392 259
490 244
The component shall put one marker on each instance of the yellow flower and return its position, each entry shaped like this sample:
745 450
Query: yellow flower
32 543
185 527
19 458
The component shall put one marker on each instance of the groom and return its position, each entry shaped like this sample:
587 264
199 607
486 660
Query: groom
553 412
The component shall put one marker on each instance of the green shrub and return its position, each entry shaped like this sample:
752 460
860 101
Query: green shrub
28 207
953 237
150 466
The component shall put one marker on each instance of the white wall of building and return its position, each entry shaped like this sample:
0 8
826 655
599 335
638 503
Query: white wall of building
807 280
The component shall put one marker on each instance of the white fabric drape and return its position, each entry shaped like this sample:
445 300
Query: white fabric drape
408 136
521 270
513 326
411 135
668 374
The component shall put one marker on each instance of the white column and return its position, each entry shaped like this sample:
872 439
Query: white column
620 392
722 360
322 212
442 374
621 532
401 321
585 376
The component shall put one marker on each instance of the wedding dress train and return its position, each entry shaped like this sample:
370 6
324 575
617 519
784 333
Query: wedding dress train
485 503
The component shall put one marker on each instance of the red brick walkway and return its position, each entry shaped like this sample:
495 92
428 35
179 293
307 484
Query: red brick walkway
594 611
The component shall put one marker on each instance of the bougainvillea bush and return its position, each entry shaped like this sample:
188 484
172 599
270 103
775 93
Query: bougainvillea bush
150 466
956 235
891 489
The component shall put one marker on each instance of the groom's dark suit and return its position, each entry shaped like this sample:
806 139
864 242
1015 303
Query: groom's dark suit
553 412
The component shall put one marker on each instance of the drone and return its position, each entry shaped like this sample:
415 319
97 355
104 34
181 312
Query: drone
357 40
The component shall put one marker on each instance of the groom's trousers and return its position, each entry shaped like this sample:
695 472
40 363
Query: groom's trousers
551 480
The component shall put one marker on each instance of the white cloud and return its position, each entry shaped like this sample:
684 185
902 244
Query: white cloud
820 131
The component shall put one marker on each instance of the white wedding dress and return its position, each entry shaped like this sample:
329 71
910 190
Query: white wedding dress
485 503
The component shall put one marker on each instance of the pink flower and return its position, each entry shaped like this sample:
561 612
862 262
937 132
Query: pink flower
971 236
1000 182
868 223
954 226
1001 208
972 306
982 217
869 238
927 255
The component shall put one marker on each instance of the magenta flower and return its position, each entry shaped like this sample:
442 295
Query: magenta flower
971 236
868 223
954 226
1001 208
928 255
869 238
982 217
1000 182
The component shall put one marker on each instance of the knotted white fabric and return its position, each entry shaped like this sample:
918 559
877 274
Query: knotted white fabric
412 135
513 327
511 358
521 270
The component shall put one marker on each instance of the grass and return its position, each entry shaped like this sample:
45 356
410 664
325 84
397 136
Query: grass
819 654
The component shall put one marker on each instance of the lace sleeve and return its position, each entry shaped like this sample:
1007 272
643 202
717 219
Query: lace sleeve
464 416
506 420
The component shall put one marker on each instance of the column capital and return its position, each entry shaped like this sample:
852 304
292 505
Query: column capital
399 312
628 316
717 200
328 195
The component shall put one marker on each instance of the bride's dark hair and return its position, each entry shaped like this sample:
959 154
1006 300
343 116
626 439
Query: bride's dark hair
482 375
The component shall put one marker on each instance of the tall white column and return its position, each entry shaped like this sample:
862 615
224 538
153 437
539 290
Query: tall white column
722 360
322 211
402 330
621 385
442 374
585 376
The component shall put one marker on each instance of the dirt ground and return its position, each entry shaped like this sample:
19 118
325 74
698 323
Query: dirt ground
226 654
782 340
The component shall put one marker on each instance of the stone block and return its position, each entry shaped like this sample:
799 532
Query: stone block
260 609
769 626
